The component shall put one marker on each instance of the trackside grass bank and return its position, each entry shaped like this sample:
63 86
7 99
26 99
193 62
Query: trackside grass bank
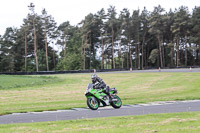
161 123
52 92
21 82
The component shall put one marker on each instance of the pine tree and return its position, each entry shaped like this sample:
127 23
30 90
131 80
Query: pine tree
180 30
49 28
100 18
157 28
8 50
65 33
195 35
144 20
136 37
112 30
33 16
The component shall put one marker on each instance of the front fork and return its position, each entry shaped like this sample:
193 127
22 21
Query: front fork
93 100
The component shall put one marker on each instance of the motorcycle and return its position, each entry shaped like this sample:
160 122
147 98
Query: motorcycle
97 98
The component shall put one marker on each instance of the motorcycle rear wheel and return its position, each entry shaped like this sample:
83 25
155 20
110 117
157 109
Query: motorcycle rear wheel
93 105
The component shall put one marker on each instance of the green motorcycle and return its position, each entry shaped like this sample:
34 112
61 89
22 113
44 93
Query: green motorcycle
97 98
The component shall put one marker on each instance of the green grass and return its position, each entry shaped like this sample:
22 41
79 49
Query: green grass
52 92
162 123
14 82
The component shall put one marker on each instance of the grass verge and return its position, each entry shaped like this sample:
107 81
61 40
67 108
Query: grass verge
188 122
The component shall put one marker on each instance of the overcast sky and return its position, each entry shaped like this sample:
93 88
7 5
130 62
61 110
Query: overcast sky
12 12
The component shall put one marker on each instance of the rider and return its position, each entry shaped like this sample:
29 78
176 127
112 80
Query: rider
100 84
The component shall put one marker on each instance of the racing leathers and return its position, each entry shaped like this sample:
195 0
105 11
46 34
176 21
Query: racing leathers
100 84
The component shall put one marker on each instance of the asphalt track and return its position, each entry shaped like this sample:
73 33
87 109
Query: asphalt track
126 110
84 113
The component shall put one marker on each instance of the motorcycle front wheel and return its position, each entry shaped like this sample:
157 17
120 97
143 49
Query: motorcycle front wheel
116 104
92 104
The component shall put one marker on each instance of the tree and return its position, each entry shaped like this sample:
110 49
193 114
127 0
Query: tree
153 56
124 35
90 42
65 33
49 27
99 19
136 37
180 30
85 30
168 38
144 20
33 16
8 50
1 42
112 29
195 35
24 36
157 22
72 59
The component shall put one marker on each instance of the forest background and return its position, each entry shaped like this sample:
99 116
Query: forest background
103 40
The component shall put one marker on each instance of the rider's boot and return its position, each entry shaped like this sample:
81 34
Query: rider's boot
110 97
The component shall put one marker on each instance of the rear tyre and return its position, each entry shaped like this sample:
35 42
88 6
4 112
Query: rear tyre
93 105
116 104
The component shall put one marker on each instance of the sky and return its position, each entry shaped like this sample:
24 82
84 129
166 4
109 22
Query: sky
12 12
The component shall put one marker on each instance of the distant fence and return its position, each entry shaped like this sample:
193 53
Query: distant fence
86 71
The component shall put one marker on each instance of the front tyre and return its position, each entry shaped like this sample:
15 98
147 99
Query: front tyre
92 104
116 104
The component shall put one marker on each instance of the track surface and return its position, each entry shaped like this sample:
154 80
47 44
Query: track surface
83 113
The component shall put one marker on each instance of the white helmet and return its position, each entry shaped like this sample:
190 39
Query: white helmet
94 78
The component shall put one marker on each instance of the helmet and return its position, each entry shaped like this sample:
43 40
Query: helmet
94 78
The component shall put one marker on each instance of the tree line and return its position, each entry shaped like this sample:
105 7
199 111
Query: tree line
104 40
